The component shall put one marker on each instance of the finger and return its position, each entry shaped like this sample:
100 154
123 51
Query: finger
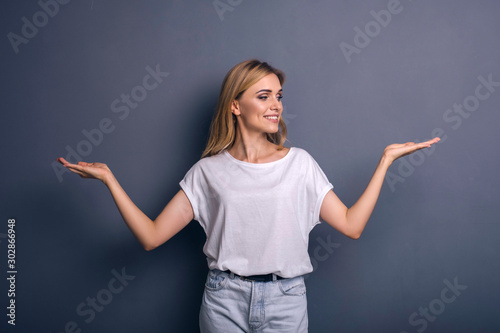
423 145
419 146
81 174
396 145
76 167
431 141
64 162
409 143
78 172
435 140
407 146
407 150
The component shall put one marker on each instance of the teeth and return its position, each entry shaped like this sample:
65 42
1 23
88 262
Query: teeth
271 117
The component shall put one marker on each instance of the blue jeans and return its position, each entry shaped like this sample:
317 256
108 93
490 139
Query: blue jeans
231 304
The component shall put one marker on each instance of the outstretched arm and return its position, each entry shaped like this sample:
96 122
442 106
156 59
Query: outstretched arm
151 234
352 221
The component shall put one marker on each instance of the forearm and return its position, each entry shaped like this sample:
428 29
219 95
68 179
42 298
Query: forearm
358 215
141 225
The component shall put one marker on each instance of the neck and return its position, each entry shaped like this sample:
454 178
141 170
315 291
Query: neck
251 148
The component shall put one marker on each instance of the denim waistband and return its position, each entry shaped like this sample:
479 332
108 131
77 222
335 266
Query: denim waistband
259 278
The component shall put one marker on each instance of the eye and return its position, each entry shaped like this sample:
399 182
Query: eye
265 97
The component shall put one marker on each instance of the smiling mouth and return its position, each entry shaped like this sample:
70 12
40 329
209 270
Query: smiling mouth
271 117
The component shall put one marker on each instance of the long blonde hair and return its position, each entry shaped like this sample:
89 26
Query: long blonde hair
237 80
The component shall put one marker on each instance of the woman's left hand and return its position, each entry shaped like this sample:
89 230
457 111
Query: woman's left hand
397 150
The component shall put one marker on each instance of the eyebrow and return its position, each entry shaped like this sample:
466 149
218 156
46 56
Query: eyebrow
267 90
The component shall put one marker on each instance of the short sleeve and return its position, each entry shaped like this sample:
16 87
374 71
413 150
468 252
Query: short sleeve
190 185
317 185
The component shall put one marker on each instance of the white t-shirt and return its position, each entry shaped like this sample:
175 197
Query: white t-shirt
257 216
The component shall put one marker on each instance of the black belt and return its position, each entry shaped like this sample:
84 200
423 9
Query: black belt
260 278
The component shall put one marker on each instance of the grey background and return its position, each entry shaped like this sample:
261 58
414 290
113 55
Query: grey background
440 223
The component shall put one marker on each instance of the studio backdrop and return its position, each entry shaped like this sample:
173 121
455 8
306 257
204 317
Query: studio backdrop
134 84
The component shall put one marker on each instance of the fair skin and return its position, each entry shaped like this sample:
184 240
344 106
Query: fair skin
254 112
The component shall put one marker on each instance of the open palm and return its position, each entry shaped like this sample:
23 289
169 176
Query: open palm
398 150
87 170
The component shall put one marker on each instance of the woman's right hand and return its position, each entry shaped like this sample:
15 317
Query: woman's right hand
151 234
88 170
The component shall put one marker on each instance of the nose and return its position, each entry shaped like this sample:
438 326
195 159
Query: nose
276 104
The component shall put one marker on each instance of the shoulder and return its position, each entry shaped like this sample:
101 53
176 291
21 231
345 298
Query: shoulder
303 158
210 161
205 168
301 153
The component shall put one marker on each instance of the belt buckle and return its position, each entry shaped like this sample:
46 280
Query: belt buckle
259 278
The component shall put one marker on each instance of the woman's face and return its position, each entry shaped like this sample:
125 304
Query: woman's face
259 108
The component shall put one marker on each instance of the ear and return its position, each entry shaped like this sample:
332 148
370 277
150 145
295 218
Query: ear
235 108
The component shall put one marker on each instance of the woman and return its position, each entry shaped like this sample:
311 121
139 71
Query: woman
257 202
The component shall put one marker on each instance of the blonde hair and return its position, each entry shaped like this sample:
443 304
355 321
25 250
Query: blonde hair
237 80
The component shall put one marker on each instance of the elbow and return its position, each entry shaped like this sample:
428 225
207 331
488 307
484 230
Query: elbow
354 234
153 243
150 242
149 246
